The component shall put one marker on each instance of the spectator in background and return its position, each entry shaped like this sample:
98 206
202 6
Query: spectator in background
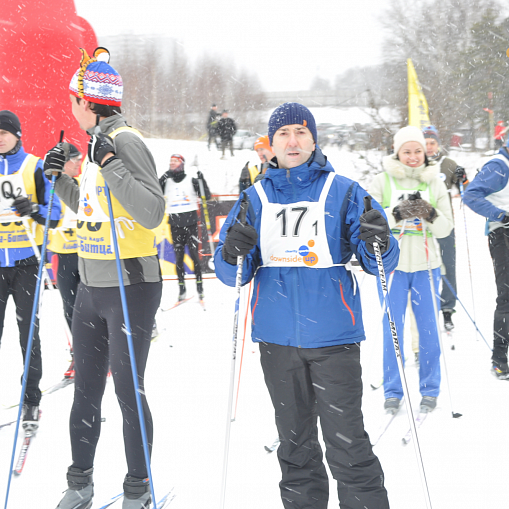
500 131
181 192
226 129
212 125
447 170
252 174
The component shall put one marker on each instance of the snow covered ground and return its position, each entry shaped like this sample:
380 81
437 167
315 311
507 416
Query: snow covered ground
187 387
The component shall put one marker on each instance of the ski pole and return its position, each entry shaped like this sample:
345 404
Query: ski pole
128 333
465 309
35 307
468 250
242 351
399 359
206 214
238 283
435 310
36 252
379 384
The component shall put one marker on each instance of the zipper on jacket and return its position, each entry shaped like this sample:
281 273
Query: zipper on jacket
256 303
346 305
297 307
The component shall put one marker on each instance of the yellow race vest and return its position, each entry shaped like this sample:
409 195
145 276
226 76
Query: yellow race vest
22 183
63 239
93 226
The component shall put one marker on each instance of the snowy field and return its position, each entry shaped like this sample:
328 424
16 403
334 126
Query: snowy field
187 388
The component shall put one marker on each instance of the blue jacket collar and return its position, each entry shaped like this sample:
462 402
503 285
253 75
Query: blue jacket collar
299 176
14 161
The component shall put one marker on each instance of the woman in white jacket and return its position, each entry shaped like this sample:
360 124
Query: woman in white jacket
416 202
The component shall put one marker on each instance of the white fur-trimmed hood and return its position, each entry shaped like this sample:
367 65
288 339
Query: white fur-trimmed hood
395 168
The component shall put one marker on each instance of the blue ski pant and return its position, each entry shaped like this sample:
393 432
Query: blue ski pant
419 285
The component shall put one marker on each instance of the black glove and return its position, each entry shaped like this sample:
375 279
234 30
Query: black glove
54 161
98 146
414 208
200 175
240 239
23 206
505 219
461 175
374 228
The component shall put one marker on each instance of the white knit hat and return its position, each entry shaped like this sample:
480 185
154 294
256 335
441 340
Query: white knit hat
406 134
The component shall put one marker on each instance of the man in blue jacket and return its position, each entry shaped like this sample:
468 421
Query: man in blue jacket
488 195
304 223
24 197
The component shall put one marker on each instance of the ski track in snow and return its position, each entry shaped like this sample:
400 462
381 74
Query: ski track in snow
187 388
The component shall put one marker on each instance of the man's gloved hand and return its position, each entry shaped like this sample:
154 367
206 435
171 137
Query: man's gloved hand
200 175
99 146
240 239
505 219
23 206
374 228
414 208
54 161
460 175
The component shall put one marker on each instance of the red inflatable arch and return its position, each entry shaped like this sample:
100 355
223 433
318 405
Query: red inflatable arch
39 52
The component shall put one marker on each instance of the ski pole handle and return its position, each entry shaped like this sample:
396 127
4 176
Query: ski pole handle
244 204
62 146
367 203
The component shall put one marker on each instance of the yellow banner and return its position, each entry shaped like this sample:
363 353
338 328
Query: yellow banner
418 114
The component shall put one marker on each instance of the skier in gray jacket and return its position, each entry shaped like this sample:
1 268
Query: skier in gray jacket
118 159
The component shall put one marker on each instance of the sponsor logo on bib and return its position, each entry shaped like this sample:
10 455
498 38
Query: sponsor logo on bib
308 257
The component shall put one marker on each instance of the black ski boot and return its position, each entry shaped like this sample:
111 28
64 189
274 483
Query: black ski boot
30 417
428 404
81 489
447 314
501 372
391 405
136 493
199 289
182 292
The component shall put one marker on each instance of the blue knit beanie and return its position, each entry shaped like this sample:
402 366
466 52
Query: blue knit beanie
291 113
431 132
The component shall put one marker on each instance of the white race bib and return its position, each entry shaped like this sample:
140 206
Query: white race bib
294 235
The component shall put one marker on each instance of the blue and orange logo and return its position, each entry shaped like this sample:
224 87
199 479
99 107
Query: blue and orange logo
308 257
86 207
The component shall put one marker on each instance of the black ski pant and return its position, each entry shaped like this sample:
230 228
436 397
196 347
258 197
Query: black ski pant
499 249
100 344
20 282
67 282
227 144
212 137
307 383
448 252
182 236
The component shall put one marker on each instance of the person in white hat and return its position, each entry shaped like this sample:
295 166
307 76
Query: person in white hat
416 201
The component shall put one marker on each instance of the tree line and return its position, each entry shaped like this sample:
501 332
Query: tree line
458 49
168 96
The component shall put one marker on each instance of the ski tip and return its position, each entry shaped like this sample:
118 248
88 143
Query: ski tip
456 415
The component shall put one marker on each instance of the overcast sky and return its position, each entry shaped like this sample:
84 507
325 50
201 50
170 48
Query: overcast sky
287 43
